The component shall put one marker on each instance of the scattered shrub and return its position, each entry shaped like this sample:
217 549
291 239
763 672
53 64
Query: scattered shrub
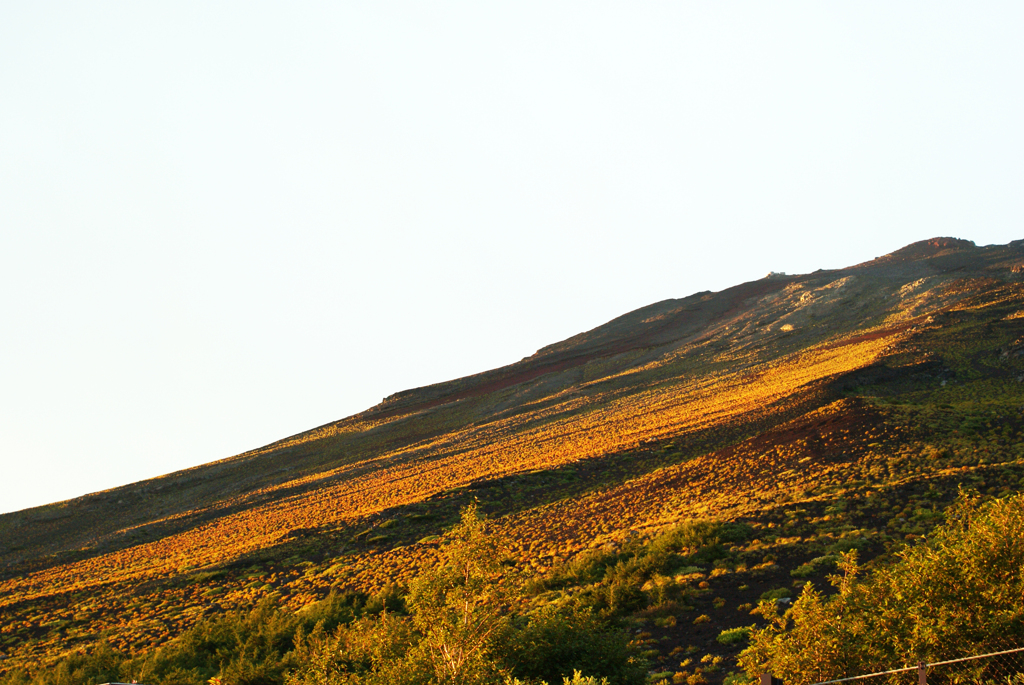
815 566
734 636
736 678
777 593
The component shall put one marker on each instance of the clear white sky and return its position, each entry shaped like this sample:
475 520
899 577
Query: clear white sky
222 223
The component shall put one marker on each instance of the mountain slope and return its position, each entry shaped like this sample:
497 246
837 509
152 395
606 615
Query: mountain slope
787 390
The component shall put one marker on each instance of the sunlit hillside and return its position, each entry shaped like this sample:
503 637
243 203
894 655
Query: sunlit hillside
835 406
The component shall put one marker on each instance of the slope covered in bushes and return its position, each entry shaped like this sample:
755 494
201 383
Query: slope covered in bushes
466 620
958 592
794 418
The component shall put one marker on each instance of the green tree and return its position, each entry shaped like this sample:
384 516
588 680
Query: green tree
462 606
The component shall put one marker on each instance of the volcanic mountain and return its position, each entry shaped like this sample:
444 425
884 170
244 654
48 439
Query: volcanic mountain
797 393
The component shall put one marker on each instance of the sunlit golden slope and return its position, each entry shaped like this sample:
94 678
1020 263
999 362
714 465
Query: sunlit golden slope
713 405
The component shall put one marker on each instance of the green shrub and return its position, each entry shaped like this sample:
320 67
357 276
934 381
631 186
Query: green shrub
734 533
846 545
688 537
732 636
622 593
777 593
556 642
736 678
815 566
589 566
580 679
960 592
390 598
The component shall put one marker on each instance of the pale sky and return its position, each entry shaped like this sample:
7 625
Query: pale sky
222 223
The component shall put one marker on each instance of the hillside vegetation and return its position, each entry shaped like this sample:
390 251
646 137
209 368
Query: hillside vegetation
959 589
660 474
